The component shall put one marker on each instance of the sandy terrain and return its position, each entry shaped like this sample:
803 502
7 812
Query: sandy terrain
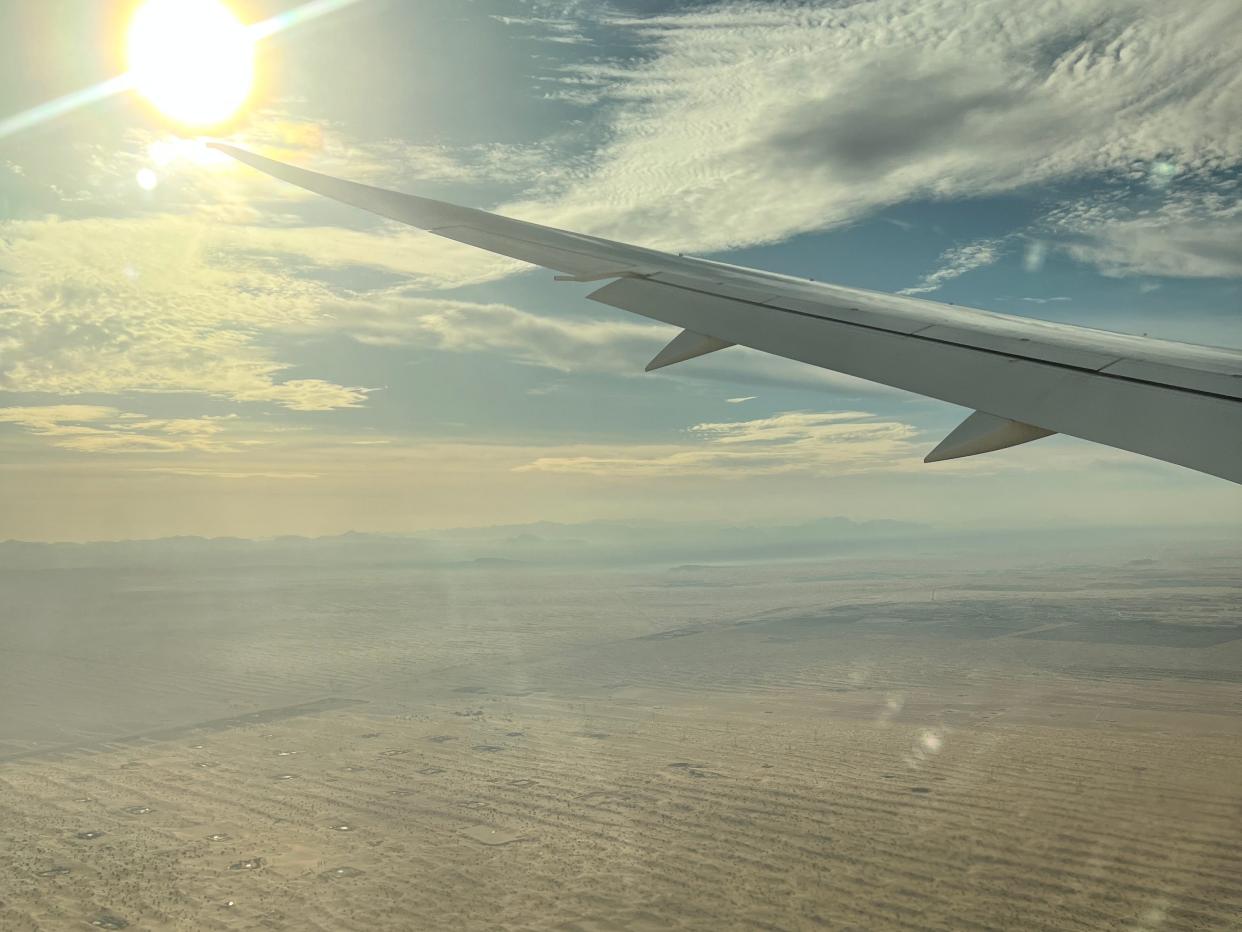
785 748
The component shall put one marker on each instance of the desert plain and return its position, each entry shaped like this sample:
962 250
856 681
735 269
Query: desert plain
901 740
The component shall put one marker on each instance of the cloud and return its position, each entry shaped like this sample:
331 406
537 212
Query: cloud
57 420
894 125
150 305
546 29
571 345
741 124
827 443
196 473
564 344
745 123
957 262
103 429
750 123
392 162
807 445
1193 231
1034 256
164 304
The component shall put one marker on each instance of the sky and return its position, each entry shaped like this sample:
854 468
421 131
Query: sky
210 352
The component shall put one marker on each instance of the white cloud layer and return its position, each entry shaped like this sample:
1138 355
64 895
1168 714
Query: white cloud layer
149 305
750 123
1191 233
754 122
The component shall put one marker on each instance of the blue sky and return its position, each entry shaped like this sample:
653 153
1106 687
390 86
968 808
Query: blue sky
224 355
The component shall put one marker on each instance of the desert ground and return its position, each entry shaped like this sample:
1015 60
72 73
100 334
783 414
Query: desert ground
847 743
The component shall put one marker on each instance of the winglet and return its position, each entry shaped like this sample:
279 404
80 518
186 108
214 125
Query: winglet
686 345
984 433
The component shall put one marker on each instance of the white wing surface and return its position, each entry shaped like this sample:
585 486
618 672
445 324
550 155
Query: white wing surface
1025 378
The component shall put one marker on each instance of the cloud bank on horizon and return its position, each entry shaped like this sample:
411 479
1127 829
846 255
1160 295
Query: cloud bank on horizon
1079 160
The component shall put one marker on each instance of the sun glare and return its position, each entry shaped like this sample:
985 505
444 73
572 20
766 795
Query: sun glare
192 59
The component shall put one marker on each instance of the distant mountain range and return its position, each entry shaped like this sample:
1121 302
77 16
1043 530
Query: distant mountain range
597 543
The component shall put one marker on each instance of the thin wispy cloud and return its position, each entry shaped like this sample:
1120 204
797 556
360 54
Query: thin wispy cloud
956 262
103 429
828 443
227 474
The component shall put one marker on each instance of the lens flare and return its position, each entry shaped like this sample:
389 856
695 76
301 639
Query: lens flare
192 59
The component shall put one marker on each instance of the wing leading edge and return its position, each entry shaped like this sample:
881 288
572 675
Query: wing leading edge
1024 378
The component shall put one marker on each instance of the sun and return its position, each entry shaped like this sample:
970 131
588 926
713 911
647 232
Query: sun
192 59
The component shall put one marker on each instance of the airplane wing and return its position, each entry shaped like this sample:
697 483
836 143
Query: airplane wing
1024 378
